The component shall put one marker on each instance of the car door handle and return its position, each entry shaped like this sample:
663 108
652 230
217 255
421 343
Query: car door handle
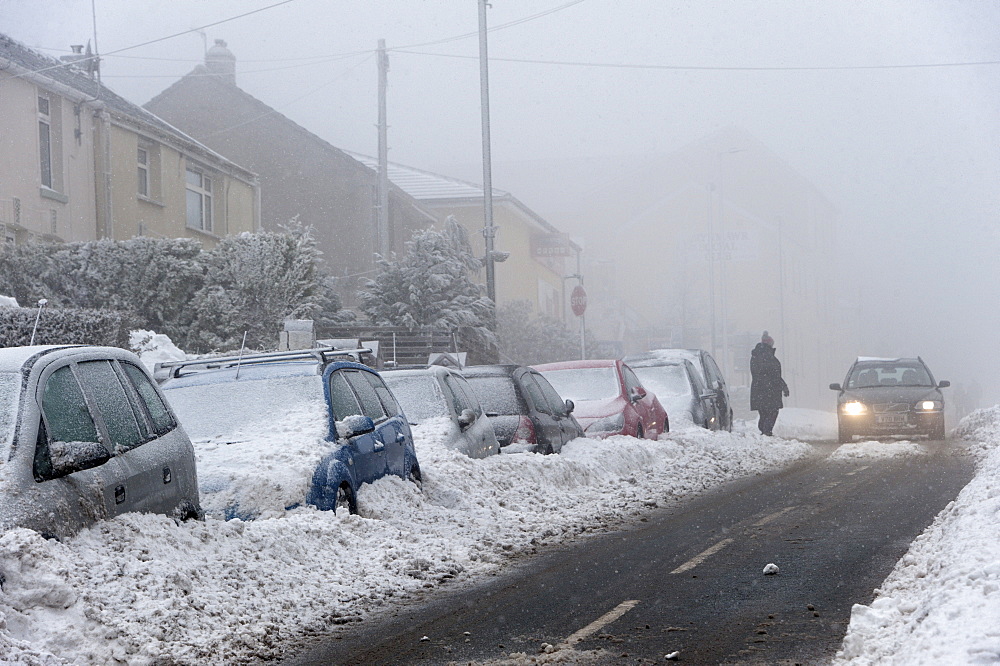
119 494
379 445
400 438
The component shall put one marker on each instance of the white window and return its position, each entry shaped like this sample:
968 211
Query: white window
143 171
199 200
45 140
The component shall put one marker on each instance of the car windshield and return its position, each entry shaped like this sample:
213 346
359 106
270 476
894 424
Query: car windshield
664 380
419 396
497 394
868 375
585 384
236 409
10 386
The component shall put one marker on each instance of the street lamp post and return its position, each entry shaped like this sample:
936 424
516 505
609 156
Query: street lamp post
489 231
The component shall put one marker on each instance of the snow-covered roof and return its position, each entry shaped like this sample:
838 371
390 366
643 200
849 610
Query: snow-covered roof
424 185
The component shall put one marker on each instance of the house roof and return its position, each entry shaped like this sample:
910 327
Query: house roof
431 188
67 79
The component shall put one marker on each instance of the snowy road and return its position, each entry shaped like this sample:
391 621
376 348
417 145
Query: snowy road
690 578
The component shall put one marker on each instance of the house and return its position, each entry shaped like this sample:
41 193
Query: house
301 175
82 163
540 256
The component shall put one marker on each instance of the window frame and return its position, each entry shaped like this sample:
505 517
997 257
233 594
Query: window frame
142 171
46 170
206 198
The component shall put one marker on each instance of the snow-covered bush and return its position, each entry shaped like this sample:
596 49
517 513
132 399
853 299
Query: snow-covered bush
60 326
431 286
526 338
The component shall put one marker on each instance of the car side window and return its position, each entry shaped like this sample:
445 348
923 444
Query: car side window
388 400
555 401
106 390
454 394
631 381
468 395
342 400
370 404
535 394
163 422
715 375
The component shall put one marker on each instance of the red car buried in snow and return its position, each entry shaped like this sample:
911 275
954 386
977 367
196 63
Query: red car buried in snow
609 398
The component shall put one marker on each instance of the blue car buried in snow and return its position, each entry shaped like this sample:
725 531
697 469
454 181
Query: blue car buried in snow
275 431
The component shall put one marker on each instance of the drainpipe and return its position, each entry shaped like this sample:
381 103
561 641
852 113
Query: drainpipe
102 169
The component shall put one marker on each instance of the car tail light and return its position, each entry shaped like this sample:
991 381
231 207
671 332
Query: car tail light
525 431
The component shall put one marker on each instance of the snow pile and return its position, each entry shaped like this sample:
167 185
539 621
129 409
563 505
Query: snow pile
941 603
796 423
154 348
877 449
981 428
8 302
141 589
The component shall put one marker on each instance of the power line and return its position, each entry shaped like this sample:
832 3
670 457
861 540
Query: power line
710 68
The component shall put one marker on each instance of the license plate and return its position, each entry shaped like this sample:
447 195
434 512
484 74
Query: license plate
889 419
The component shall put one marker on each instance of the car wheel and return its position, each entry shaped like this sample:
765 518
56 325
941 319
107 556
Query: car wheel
938 431
640 432
413 476
844 435
345 499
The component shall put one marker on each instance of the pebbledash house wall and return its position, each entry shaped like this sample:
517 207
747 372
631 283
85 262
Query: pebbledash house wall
301 175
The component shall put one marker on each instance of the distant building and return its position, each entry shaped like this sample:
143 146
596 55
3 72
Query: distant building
540 256
81 163
301 175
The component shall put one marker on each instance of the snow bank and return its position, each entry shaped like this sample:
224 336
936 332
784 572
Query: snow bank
796 423
142 589
154 348
877 449
941 603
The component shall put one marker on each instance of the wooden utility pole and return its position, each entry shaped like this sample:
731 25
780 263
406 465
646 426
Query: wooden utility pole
382 187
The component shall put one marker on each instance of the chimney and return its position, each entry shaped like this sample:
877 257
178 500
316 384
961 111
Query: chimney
85 62
220 61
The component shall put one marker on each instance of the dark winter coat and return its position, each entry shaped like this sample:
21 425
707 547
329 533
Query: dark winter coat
766 384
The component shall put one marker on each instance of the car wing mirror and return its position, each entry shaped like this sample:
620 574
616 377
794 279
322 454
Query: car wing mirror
69 457
638 393
355 425
570 406
466 418
944 384
835 387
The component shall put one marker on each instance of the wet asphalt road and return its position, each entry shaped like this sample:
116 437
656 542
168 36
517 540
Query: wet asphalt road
689 578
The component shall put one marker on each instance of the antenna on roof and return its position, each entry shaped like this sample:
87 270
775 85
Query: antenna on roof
41 304
240 361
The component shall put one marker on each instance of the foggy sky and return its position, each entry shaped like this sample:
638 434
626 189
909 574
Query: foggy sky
909 155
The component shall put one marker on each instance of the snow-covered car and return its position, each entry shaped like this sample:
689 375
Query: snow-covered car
275 431
523 407
711 377
609 398
890 397
85 435
441 393
679 388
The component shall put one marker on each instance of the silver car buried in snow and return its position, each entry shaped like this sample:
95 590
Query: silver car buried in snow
85 435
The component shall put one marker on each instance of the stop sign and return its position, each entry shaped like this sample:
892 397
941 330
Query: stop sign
578 300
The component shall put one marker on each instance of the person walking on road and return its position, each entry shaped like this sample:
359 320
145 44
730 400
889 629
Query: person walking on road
766 384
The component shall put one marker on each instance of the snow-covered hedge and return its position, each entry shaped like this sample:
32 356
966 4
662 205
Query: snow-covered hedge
58 326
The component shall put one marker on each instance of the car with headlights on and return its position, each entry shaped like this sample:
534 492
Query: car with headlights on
86 435
609 399
524 408
889 397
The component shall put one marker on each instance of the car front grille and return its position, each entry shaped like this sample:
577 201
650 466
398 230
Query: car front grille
883 407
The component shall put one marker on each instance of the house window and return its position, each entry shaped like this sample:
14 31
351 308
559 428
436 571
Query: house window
45 140
143 171
199 200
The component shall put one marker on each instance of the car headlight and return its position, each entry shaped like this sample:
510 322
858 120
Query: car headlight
608 424
929 406
854 408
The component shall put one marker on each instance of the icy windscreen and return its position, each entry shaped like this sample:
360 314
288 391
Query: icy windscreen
665 380
10 394
497 395
419 396
867 375
240 408
583 384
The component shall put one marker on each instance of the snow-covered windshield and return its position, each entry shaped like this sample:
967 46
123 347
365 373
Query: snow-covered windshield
10 389
583 384
418 395
895 373
497 395
664 380
227 409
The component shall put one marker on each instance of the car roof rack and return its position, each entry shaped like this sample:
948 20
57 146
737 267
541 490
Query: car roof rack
323 355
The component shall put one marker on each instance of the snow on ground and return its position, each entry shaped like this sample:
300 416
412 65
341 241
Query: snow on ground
143 590
941 603
796 423
876 449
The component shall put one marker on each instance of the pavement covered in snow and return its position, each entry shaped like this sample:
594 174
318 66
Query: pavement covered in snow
142 590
